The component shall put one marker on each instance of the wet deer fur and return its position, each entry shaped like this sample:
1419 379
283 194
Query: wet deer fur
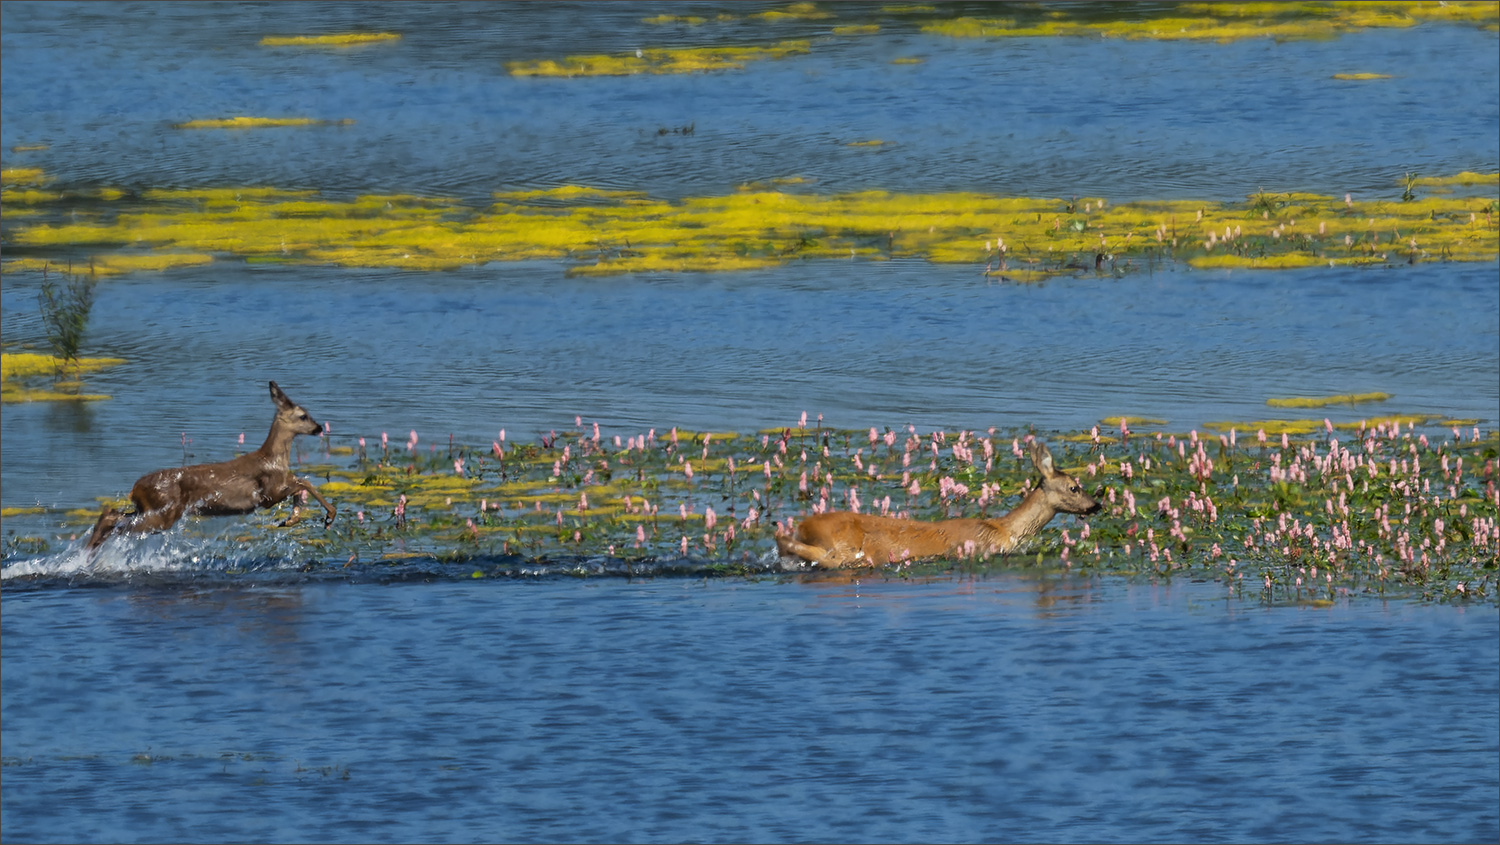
842 539
254 480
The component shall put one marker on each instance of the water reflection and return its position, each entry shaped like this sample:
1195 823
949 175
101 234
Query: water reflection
261 617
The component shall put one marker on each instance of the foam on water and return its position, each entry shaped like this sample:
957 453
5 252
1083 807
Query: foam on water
176 553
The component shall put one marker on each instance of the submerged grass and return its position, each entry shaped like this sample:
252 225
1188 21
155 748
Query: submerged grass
1313 512
603 232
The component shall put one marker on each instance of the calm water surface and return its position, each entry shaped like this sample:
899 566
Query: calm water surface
207 706
1011 708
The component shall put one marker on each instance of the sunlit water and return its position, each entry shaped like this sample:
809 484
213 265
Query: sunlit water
891 344
207 689
1014 709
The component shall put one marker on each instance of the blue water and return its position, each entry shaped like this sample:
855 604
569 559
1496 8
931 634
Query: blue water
1011 709
192 701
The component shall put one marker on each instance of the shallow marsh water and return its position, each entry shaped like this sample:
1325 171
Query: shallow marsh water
1016 707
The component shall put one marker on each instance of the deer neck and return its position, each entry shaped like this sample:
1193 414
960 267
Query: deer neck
1016 528
277 450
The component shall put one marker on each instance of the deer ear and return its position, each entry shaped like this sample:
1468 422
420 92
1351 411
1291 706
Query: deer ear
1041 457
278 397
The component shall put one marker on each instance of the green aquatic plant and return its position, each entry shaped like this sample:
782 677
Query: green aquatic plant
65 313
1221 22
1324 401
657 61
348 39
1300 512
20 371
603 232
12 176
257 123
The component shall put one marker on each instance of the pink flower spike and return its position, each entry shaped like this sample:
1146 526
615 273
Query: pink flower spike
242 438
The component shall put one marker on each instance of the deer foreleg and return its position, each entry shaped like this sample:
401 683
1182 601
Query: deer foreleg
834 558
329 510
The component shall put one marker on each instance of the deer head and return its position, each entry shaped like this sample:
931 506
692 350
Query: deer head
291 416
1064 493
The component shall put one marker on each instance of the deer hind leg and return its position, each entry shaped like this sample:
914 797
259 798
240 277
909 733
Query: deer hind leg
140 522
158 520
109 520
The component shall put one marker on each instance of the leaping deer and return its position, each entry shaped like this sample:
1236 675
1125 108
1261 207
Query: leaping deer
240 485
840 539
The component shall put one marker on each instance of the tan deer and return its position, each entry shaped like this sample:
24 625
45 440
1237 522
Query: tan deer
240 485
840 539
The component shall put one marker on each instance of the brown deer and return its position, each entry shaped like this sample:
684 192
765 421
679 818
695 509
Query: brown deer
840 539
240 485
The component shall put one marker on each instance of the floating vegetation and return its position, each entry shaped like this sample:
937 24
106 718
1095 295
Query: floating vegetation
1467 177
658 60
11 176
795 12
112 264
257 123
20 373
690 20
1383 508
1325 401
602 232
347 39
30 148
1223 22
